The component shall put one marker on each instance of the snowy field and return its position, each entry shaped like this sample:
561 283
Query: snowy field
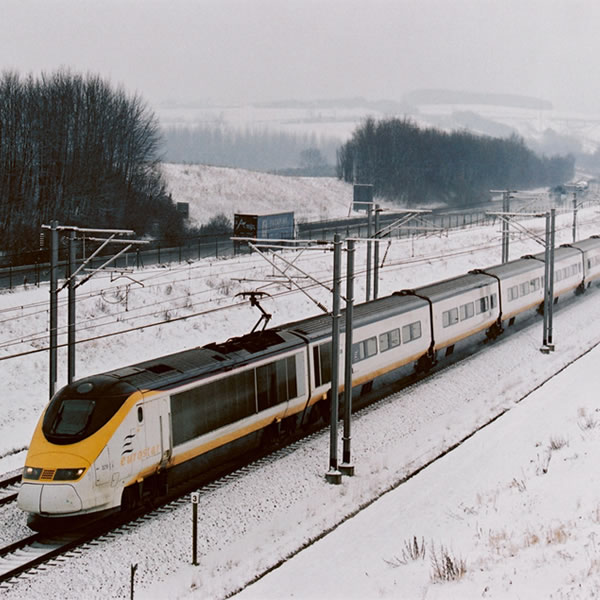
213 190
516 502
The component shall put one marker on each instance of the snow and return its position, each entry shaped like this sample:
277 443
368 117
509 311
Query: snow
516 501
214 190
523 516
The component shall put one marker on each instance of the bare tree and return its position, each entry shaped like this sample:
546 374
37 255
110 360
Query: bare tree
75 149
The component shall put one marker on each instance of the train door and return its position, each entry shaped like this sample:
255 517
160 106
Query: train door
157 427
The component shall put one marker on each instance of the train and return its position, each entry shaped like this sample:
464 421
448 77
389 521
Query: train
109 441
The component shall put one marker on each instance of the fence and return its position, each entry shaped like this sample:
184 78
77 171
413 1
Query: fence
38 267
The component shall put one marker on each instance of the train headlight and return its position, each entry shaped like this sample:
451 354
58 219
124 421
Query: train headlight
31 473
68 474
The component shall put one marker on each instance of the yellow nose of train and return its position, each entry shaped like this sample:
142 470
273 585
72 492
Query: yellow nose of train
47 488
60 473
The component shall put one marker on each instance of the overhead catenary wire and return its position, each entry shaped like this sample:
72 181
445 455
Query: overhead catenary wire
392 266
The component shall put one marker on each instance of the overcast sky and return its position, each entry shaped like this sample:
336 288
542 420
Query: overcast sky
257 50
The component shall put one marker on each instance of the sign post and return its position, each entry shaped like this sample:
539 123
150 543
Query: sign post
195 500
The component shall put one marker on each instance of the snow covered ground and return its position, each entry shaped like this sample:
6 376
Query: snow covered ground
517 501
516 506
213 190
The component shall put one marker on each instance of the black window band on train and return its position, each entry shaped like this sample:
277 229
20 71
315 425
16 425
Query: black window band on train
80 409
209 406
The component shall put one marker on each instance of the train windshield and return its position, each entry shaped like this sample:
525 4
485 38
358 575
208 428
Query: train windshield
72 417
82 408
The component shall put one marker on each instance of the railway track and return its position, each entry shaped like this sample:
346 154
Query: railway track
9 487
30 553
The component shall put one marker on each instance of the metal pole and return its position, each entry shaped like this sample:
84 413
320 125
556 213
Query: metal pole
53 305
505 210
546 282
334 475
376 270
550 307
133 570
195 499
71 306
346 467
574 217
369 234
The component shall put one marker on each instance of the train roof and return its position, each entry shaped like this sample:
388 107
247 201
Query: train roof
585 245
511 268
367 312
176 369
450 287
560 253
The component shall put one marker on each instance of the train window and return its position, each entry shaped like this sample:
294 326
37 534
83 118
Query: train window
513 293
291 377
322 363
535 284
140 414
467 311
383 342
73 417
212 405
276 382
317 366
389 340
245 392
190 414
281 370
482 305
493 301
364 349
450 317
266 387
524 288
411 332
371 346
70 419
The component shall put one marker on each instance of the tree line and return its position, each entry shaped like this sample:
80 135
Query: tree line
414 165
259 149
76 150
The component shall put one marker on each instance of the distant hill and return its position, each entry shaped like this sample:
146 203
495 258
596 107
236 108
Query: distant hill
214 190
419 97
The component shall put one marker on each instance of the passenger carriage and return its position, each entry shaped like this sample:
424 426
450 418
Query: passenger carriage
590 250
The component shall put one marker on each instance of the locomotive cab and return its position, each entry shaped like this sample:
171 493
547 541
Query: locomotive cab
68 469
